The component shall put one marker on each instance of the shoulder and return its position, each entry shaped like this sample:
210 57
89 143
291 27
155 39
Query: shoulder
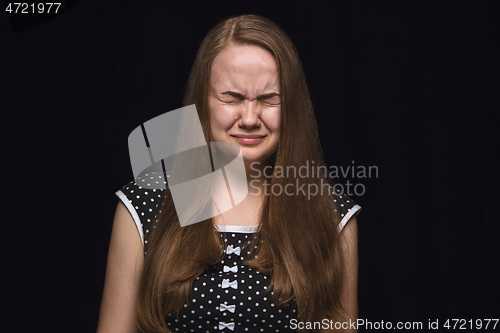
143 204
345 208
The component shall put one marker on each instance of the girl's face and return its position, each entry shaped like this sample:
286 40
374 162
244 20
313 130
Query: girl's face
244 101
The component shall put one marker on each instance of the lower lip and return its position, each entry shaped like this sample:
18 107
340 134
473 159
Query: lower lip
248 141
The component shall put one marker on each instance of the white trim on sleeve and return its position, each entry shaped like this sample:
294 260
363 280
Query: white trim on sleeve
133 212
350 213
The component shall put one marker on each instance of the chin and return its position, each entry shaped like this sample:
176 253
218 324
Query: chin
258 154
252 158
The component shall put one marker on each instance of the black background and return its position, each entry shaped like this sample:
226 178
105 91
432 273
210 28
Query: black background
407 86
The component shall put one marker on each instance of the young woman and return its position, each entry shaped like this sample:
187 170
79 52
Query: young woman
283 257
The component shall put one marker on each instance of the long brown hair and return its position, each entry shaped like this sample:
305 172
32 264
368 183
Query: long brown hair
298 240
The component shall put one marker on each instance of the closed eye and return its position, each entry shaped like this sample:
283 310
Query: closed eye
270 99
230 97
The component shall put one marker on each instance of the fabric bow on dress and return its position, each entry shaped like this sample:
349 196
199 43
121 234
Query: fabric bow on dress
233 269
235 250
227 284
230 308
223 325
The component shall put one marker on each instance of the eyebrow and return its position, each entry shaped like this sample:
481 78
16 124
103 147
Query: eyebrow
264 96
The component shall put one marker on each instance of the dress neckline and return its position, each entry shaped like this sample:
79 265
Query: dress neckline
248 229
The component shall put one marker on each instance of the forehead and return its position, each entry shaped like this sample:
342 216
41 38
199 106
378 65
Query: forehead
245 67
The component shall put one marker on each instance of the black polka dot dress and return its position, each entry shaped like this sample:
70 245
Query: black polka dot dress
229 296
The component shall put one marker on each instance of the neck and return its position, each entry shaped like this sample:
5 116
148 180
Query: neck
256 178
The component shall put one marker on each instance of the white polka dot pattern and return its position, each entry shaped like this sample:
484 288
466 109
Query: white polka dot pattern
232 297
228 296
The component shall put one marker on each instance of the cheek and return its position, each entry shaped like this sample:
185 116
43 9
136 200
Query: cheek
273 122
220 121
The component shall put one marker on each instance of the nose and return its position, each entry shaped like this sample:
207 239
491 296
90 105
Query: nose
250 114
